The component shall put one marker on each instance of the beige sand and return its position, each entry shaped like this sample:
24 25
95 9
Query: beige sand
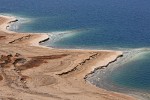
32 72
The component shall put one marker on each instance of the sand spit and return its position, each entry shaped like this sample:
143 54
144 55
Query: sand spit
32 72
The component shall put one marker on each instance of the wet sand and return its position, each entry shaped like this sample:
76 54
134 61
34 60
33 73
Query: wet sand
30 71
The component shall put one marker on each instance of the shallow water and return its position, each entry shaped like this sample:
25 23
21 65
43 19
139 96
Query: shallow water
134 74
94 24
128 74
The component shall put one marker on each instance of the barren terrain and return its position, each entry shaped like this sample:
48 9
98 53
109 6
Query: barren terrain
32 72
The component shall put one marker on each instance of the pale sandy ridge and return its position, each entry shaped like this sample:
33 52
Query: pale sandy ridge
37 73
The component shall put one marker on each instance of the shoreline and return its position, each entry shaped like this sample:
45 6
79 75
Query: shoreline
43 37
108 59
103 74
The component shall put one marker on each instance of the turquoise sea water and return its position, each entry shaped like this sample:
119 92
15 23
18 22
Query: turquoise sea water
132 71
95 24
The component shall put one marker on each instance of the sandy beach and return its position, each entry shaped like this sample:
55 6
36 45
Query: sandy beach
29 71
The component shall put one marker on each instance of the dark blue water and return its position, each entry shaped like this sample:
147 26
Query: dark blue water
110 24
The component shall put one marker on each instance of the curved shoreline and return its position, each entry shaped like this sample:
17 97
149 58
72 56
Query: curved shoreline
40 38
102 75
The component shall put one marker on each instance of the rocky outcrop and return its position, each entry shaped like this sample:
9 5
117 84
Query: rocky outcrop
42 41
79 65
101 67
1 77
20 39
16 20
12 77
2 37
